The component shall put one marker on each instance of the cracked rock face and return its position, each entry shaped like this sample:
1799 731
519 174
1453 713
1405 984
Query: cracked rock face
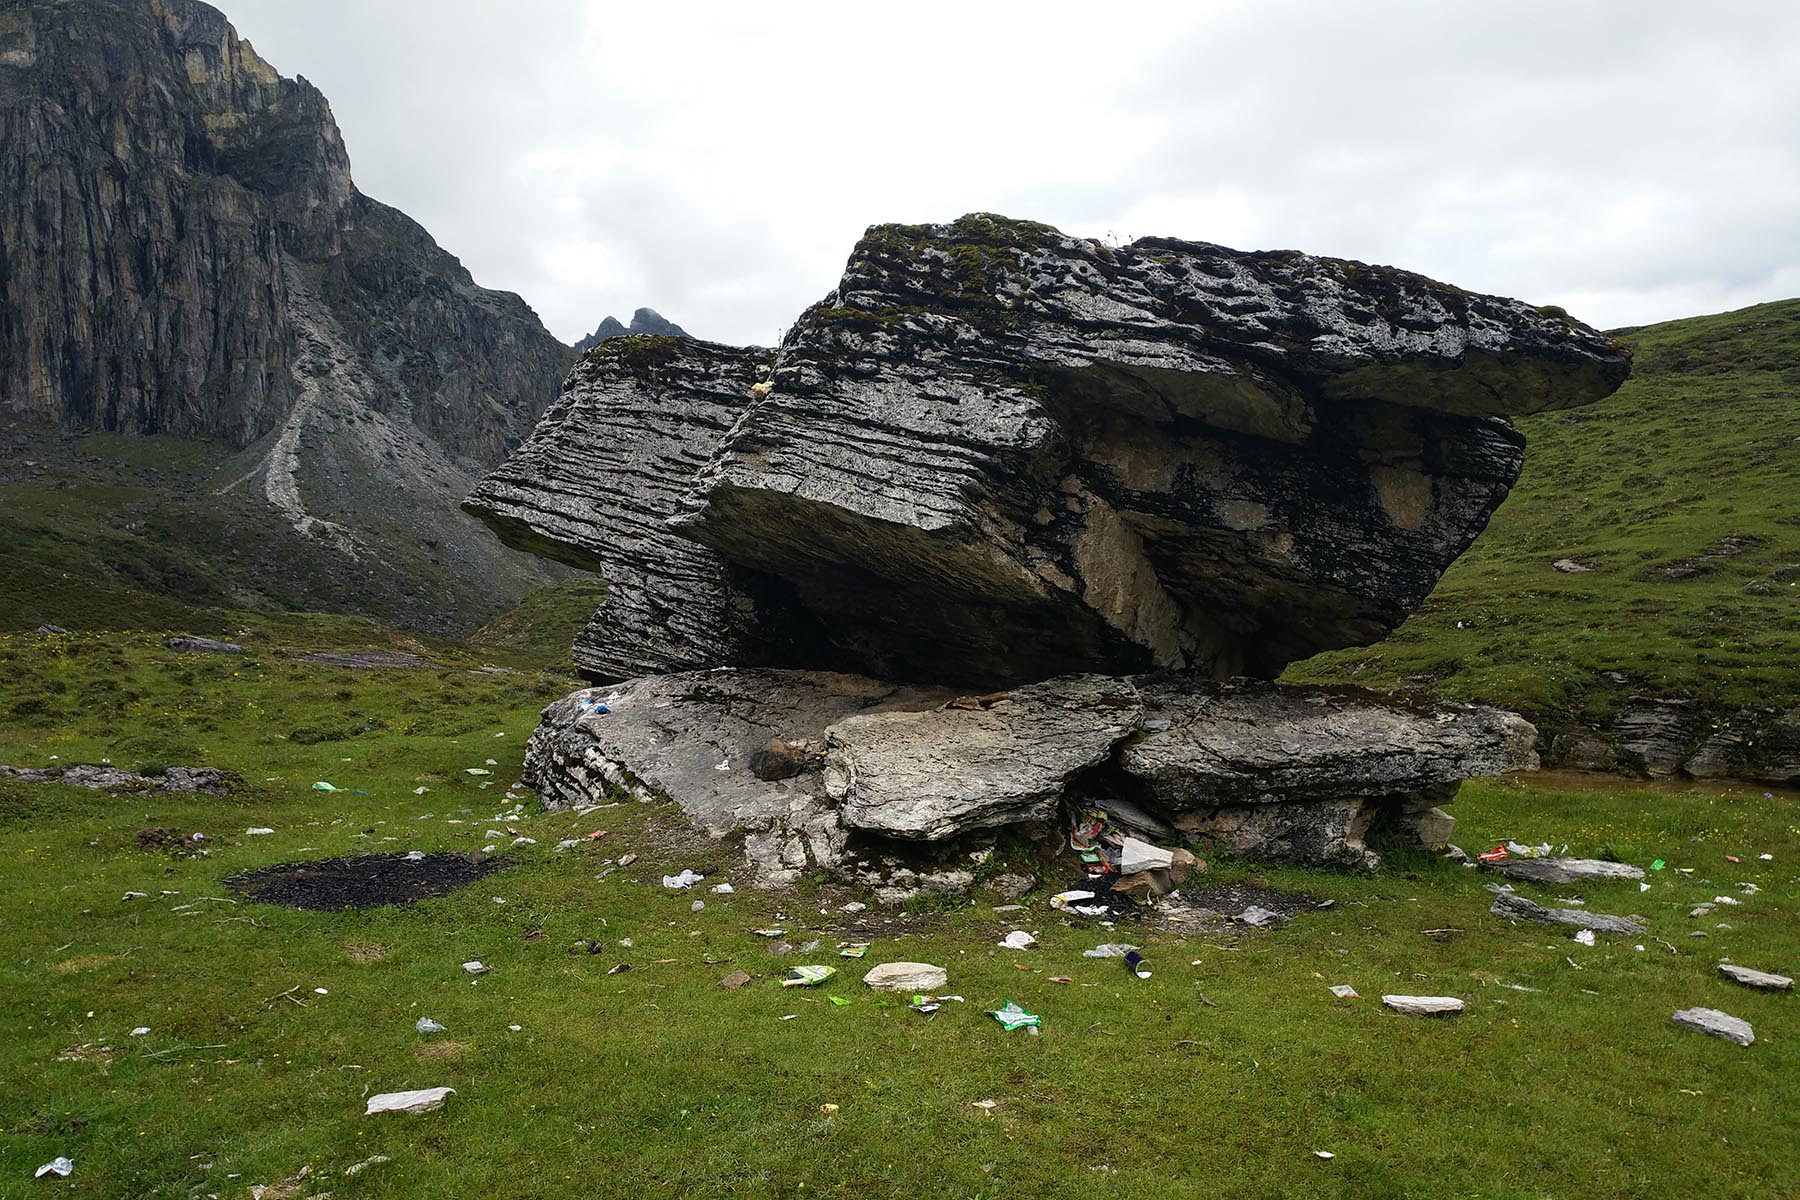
997 454
905 770
596 483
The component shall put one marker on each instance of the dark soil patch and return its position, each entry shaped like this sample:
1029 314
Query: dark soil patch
363 881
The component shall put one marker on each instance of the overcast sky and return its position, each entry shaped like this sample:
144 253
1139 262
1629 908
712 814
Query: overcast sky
1632 161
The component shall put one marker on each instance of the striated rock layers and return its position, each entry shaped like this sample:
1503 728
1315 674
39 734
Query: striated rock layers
999 457
997 453
1264 770
185 253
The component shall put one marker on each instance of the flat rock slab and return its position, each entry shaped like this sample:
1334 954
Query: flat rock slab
1564 870
1716 1023
932 775
1756 979
184 644
208 781
907 977
418 1101
1519 908
1424 1006
897 767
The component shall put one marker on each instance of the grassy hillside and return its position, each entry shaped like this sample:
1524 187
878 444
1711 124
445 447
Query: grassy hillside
1681 495
103 531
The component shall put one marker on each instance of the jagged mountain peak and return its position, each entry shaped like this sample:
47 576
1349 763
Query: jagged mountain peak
644 320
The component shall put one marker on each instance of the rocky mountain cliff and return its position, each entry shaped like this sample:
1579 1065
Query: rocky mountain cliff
183 251
644 320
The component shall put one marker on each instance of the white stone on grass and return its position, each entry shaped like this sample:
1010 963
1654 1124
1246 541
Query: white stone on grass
1718 1024
1757 979
907 977
1424 1006
421 1100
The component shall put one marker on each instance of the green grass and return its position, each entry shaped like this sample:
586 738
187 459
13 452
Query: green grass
657 1083
1698 447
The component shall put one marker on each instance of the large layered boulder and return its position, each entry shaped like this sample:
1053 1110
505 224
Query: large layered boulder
998 453
1119 483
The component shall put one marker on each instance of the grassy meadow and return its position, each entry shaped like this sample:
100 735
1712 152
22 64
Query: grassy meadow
1219 1076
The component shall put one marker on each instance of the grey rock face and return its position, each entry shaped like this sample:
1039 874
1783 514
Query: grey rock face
904 765
997 453
1657 735
1718 1024
596 482
932 775
1519 908
187 644
1564 870
1251 744
185 253
690 738
1762 980
208 781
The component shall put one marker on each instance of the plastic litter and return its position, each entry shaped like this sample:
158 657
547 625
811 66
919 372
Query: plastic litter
140 1031
1585 936
257 831
686 879
1658 865
1109 950
840 1001
473 771
1012 1017
808 976
427 1025
421 1100
721 889
852 949
59 1166
1018 939
929 1004
1136 855
697 906
1134 962
1258 916
322 786
1344 991
1062 900
1323 1154
415 856
476 967
1497 854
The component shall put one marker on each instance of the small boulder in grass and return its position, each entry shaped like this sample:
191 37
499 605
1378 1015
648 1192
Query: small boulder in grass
1424 1006
421 1100
907 977
1757 979
1718 1024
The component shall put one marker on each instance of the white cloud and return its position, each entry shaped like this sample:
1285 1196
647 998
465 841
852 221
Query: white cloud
1632 160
